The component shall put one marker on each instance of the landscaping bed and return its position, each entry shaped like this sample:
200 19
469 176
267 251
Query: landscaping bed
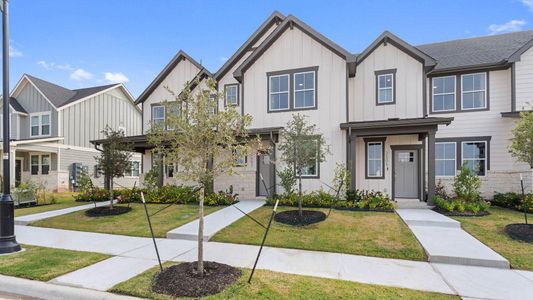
133 223
362 233
520 232
273 285
490 230
463 213
292 217
103 211
54 201
41 263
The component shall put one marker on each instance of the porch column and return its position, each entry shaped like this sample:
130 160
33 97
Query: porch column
161 177
352 156
431 167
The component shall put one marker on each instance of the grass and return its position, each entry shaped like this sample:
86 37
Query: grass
364 233
63 200
40 263
133 223
272 285
490 230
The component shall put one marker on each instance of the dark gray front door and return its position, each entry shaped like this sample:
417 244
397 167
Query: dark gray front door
265 174
406 174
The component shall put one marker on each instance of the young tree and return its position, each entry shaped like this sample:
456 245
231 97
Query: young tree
114 159
302 146
202 141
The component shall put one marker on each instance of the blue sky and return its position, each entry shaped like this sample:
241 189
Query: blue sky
84 43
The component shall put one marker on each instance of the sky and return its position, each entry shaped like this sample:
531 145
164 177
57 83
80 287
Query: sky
82 43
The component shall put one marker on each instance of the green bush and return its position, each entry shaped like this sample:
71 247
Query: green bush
460 206
287 180
466 185
95 194
513 201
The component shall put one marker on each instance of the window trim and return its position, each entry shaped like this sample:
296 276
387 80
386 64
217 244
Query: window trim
454 94
459 148
377 88
485 160
485 76
278 93
154 105
291 99
39 163
303 90
131 174
381 140
230 85
40 125
458 96
454 160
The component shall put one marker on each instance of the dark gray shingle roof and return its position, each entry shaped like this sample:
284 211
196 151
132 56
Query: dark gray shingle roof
61 96
16 105
486 50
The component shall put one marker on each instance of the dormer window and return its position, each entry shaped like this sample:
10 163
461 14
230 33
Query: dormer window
40 124
385 89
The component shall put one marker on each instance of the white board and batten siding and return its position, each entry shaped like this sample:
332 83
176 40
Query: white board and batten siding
33 101
524 80
293 50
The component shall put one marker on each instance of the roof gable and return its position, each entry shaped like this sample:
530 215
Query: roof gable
180 56
274 18
290 22
388 37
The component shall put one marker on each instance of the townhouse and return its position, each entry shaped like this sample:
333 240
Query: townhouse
51 128
401 117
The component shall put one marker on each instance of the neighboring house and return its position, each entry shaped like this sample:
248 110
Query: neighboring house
51 127
401 117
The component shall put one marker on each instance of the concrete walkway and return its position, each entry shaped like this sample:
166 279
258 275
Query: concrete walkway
445 242
133 255
25 220
215 222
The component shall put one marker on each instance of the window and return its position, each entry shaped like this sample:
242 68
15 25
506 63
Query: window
35 165
304 89
385 87
133 171
169 170
279 92
231 94
474 156
45 164
445 159
40 124
241 160
374 159
158 114
473 88
444 93
310 170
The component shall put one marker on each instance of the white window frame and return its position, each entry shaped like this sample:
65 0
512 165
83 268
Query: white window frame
164 113
473 91
380 159
483 159
40 123
288 92
129 173
448 159
40 163
379 101
226 89
440 94
303 90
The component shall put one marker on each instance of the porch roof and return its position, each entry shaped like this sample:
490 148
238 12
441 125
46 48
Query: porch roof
396 126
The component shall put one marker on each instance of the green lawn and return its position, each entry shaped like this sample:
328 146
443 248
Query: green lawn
490 231
364 233
272 285
133 223
63 200
40 263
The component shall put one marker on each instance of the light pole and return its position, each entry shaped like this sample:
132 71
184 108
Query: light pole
8 242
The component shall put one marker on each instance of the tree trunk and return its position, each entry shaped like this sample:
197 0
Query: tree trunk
110 193
300 199
200 268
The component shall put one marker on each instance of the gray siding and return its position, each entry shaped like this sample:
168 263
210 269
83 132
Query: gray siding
85 121
33 101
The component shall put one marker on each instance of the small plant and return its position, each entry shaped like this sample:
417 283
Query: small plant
151 179
440 190
341 179
287 180
85 184
466 185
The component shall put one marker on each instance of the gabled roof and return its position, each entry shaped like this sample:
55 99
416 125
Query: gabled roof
53 92
180 56
275 17
16 105
289 22
483 51
389 37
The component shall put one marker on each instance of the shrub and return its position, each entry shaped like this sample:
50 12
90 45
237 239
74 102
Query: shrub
95 194
440 190
287 180
460 206
466 185
151 179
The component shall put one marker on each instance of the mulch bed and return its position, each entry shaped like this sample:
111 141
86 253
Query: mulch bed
521 232
183 281
460 214
106 211
292 217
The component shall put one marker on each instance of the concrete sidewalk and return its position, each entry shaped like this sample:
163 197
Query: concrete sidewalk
445 242
25 220
216 221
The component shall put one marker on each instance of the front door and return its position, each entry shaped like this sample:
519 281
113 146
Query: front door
265 180
406 177
18 172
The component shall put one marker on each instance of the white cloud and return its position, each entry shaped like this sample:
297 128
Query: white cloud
14 52
528 3
513 25
53 65
115 77
223 59
80 74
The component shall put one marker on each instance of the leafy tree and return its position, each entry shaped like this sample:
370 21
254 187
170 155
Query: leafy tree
114 159
301 145
287 180
203 142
